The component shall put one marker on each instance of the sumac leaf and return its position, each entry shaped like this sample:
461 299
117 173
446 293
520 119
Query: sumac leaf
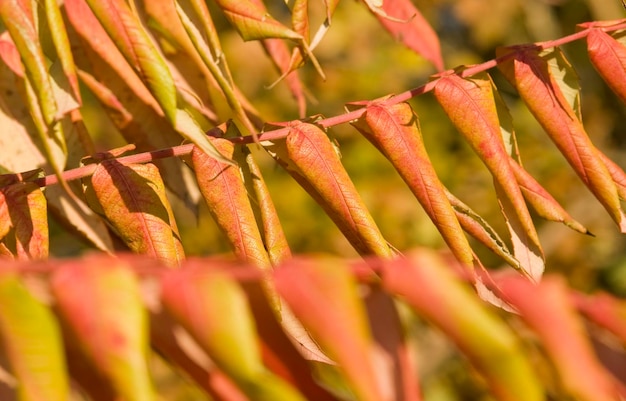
542 202
309 156
483 337
253 21
531 72
133 200
99 300
214 310
32 343
26 208
548 310
394 131
323 295
406 24
608 56
263 207
470 104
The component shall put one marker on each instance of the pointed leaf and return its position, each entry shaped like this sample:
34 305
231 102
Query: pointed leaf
253 22
529 71
100 301
407 25
480 229
309 156
214 310
300 18
134 201
482 336
225 193
27 210
18 19
608 56
394 131
546 308
472 109
542 202
323 295
263 207
279 53
33 344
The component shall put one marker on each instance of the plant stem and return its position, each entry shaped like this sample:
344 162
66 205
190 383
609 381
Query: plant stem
280 133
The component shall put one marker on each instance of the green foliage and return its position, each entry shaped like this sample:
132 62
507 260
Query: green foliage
177 130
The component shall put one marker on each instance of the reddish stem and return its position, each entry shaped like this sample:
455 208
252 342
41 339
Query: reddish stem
331 121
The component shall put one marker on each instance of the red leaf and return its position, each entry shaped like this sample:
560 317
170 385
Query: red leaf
225 193
471 106
407 25
547 309
310 158
608 56
395 131
529 72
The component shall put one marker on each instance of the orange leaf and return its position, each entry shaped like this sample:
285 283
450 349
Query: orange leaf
100 301
26 207
323 295
608 56
310 158
133 200
471 106
407 25
530 73
225 193
395 131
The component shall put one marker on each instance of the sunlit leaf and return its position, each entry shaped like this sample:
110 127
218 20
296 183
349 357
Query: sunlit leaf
471 106
309 156
134 201
323 295
483 337
253 22
225 193
263 207
532 74
28 216
542 202
547 309
394 131
300 18
100 301
608 56
32 342
407 25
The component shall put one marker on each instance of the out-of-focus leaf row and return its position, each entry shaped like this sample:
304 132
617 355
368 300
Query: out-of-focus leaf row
213 320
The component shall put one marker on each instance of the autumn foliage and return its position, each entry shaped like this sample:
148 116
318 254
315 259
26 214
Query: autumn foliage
263 323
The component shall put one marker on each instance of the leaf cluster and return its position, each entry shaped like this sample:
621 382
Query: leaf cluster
271 325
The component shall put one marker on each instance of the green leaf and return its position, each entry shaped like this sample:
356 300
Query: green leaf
310 158
214 310
33 344
100 301
134 201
